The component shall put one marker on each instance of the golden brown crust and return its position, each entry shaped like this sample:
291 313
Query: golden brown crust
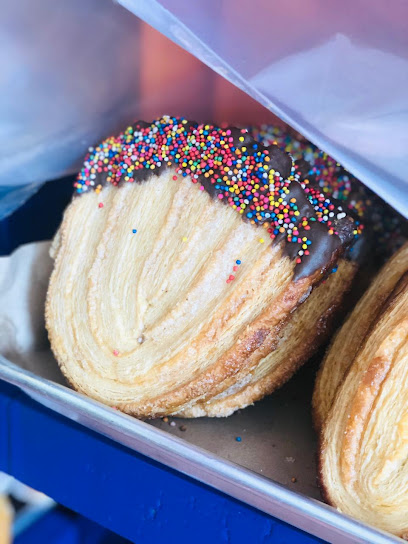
284 350
349 338
363 459
230 363
199 334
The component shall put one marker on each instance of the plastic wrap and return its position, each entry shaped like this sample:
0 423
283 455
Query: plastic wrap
337 72
66 80
73 72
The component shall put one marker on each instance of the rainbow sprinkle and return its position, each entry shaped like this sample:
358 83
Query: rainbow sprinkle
228 163
334 180
235 268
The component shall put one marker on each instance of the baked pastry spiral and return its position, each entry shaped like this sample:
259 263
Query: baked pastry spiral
350 337
192 271
364 441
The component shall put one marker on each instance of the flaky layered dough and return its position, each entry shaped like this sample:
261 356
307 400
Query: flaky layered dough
364 444
285 349
348 340
147 322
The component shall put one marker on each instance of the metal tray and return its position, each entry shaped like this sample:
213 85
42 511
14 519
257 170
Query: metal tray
264 455
276 445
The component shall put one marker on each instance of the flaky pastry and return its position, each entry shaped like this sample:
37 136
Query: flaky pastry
364 415
193 270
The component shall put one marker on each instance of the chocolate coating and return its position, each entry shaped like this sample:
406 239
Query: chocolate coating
262 183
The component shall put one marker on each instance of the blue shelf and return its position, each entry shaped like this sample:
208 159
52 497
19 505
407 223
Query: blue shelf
126 492
120 489
64 527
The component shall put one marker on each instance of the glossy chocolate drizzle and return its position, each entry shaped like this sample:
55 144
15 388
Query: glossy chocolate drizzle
111 162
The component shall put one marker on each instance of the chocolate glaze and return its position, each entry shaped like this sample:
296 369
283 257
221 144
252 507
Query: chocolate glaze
326 248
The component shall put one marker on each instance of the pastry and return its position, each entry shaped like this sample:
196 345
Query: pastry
348 340
388 229
6 520
364 438
193 270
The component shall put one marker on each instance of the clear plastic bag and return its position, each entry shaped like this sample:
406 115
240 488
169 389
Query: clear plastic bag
337 72
72 72
67 76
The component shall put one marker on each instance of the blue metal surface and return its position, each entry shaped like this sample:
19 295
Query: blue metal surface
64 527
120 489
38 218
126 492
53 527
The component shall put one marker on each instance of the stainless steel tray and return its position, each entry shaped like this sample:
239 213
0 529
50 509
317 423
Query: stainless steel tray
275 437
276 440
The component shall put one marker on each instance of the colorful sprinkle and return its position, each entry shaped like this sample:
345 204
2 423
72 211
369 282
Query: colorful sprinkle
134 231
100 205
227 162
185 238
235 268
336 182
115 352
238 439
